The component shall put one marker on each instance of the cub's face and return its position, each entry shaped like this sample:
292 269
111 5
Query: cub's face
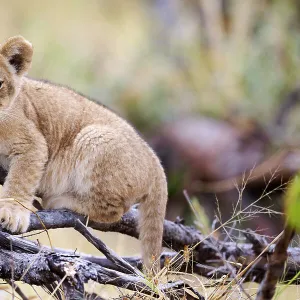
15 59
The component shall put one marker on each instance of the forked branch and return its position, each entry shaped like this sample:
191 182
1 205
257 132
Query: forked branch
206 256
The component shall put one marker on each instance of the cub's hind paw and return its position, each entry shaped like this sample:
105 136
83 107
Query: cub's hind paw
14 217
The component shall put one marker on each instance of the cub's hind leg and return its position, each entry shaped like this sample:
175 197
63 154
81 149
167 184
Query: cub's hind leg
60 201
84 207
104 183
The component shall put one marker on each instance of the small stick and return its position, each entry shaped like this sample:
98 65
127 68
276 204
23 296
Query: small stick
257 242
110 254
17 289
275 267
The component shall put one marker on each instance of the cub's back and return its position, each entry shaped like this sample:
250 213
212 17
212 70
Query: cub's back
61 114
64 103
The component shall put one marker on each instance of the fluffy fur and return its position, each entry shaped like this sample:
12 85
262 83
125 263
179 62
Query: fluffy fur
74 153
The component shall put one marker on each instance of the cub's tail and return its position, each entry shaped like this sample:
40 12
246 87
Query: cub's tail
151 219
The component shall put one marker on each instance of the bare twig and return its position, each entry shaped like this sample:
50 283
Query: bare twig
275 267
17 289
110 254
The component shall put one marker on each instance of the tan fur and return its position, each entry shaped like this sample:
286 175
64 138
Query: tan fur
74 153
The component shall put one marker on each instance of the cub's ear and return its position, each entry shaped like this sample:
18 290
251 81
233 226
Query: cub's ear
18 53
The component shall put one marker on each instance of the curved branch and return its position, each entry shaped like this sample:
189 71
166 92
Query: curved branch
208 255
41 266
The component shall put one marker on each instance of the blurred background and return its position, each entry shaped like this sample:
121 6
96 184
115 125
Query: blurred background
212 85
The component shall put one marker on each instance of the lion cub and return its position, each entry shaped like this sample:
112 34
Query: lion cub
73 152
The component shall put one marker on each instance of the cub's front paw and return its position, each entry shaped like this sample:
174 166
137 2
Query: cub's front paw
14 217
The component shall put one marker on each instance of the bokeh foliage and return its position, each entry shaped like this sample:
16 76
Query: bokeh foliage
155 60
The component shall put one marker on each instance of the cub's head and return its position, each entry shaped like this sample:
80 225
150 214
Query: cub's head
15 59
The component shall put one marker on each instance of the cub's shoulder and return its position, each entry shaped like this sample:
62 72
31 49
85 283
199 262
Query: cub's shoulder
59 91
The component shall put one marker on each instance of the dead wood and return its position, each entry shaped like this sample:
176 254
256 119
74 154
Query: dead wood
27 261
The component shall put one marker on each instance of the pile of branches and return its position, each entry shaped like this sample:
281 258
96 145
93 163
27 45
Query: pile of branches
63 273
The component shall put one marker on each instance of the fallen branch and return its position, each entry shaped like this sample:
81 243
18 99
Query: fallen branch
206 253
41 266
53 267
176 235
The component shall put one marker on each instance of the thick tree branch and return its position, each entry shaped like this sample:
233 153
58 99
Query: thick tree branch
176 236
53 266
41 266
206 254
